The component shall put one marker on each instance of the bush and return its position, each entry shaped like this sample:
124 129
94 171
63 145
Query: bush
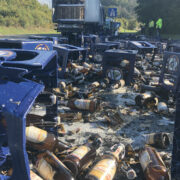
132 24
24 13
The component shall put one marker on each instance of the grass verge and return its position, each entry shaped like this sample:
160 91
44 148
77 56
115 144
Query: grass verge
20 30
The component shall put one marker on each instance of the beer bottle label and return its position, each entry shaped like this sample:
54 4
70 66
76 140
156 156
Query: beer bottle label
80 152
35 135
45 169
82 104
145 160
105 169
34 176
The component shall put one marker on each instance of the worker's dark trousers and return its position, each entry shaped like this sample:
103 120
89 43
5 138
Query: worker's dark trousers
158 31
175 169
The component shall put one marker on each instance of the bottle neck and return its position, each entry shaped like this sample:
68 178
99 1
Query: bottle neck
119 152
60 146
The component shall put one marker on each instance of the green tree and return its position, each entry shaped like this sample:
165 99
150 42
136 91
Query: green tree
168 10
25 13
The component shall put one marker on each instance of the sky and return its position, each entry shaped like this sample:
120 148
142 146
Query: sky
49 2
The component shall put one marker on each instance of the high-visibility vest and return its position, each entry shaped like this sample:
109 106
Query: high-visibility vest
151 24
159 23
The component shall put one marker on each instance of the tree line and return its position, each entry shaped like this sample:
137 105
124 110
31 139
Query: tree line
24 13
168 10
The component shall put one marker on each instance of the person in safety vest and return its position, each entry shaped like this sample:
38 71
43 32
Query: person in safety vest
159 24
151 27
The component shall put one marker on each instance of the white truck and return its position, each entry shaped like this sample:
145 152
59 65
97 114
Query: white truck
78 16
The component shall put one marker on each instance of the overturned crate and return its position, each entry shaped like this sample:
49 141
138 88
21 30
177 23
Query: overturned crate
170 70
41 67
26 44
55 40
98 49
119 64
69 53
143 47
16 98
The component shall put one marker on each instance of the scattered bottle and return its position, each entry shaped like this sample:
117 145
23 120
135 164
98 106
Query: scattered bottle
119 84
42 121
125 64
104 83
82 157
79 69
159 140
94 86
128 171
86 65
62 86
71 116
51 168
152 164
34 176
107 166
146 100
81 104
42 140
162 107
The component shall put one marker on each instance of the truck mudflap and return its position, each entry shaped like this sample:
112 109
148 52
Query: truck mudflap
17 95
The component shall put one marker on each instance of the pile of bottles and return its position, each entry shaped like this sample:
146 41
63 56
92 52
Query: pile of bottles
52 159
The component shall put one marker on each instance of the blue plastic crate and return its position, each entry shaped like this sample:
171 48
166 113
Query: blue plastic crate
42 65
143 47
98 50
113 58
16 98
67 53
26 44
170 70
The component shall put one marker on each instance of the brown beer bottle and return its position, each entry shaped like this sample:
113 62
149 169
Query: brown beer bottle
159 140
42 121
94 86
128 171
82 157
147 100
152 164
81 104
42 140
79 69
51 168
34 176
106 168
